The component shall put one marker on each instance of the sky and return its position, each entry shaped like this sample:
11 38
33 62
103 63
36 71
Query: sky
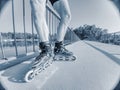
102 13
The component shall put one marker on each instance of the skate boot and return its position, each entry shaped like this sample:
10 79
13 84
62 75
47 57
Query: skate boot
41 62
45 54
61 53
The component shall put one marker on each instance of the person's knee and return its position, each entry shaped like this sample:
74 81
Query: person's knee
66 18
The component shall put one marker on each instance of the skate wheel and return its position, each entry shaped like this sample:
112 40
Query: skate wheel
40 70
54 58
50 62
29 76
67 59
60 58
46 65
37 72
73 58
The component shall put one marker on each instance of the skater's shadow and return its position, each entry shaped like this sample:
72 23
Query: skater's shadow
16 74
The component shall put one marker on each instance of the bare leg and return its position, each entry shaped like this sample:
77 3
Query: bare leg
62 7
38 11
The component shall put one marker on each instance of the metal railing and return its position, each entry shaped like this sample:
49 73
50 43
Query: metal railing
52 19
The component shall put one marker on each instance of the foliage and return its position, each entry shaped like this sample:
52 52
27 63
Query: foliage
93 33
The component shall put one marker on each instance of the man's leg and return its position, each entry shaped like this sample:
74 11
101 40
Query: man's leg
63 9
38 10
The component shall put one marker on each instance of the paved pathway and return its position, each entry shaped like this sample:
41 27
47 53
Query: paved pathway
97 68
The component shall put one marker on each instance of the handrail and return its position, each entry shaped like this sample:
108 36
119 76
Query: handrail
51 9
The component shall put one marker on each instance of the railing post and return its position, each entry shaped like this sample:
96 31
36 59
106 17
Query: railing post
55 22
47 17
114 38
50 26
1 46
13 17
32 32
24 25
